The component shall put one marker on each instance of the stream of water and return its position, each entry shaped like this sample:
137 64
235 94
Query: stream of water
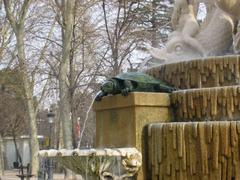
85 121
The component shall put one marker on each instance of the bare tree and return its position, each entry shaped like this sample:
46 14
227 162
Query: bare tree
119 29
13 123
154 20
18 23
12 108
1 157
67 8
83 66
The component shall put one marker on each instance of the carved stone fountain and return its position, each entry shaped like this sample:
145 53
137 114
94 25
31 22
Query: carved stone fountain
204 140
193 133
118 163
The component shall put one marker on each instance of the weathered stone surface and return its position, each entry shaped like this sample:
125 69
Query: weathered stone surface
120 121
200 73
117 163
199 150
207 104
191 39
230 6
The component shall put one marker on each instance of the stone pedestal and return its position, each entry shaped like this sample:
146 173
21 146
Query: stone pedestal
120 121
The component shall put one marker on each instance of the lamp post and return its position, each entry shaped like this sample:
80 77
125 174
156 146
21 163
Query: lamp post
50 116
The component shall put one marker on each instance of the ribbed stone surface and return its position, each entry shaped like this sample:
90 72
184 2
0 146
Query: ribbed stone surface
194 150
207 104
200 73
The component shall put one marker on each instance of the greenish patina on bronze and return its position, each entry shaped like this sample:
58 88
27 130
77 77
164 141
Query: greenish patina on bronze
132 82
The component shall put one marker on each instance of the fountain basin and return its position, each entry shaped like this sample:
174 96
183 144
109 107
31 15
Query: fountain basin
207 104
194 150
98 163
200 73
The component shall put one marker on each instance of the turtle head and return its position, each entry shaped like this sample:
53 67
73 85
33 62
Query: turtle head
109 86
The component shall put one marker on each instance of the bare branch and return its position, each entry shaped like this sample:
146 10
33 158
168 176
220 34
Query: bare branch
24 11
106 23
9 15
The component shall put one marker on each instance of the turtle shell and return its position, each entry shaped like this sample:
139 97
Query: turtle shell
137 77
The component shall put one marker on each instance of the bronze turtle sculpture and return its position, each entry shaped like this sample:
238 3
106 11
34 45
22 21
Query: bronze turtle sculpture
132 82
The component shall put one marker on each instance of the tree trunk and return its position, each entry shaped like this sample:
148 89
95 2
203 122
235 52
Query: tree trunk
71 93
60 136
1 157
116 67
29 101
64 84
18 156
154 38
17 152
65 106
18 27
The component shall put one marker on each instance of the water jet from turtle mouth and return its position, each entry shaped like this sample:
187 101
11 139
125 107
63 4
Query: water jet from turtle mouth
85 120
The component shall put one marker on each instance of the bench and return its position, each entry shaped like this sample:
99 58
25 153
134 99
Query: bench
25 172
